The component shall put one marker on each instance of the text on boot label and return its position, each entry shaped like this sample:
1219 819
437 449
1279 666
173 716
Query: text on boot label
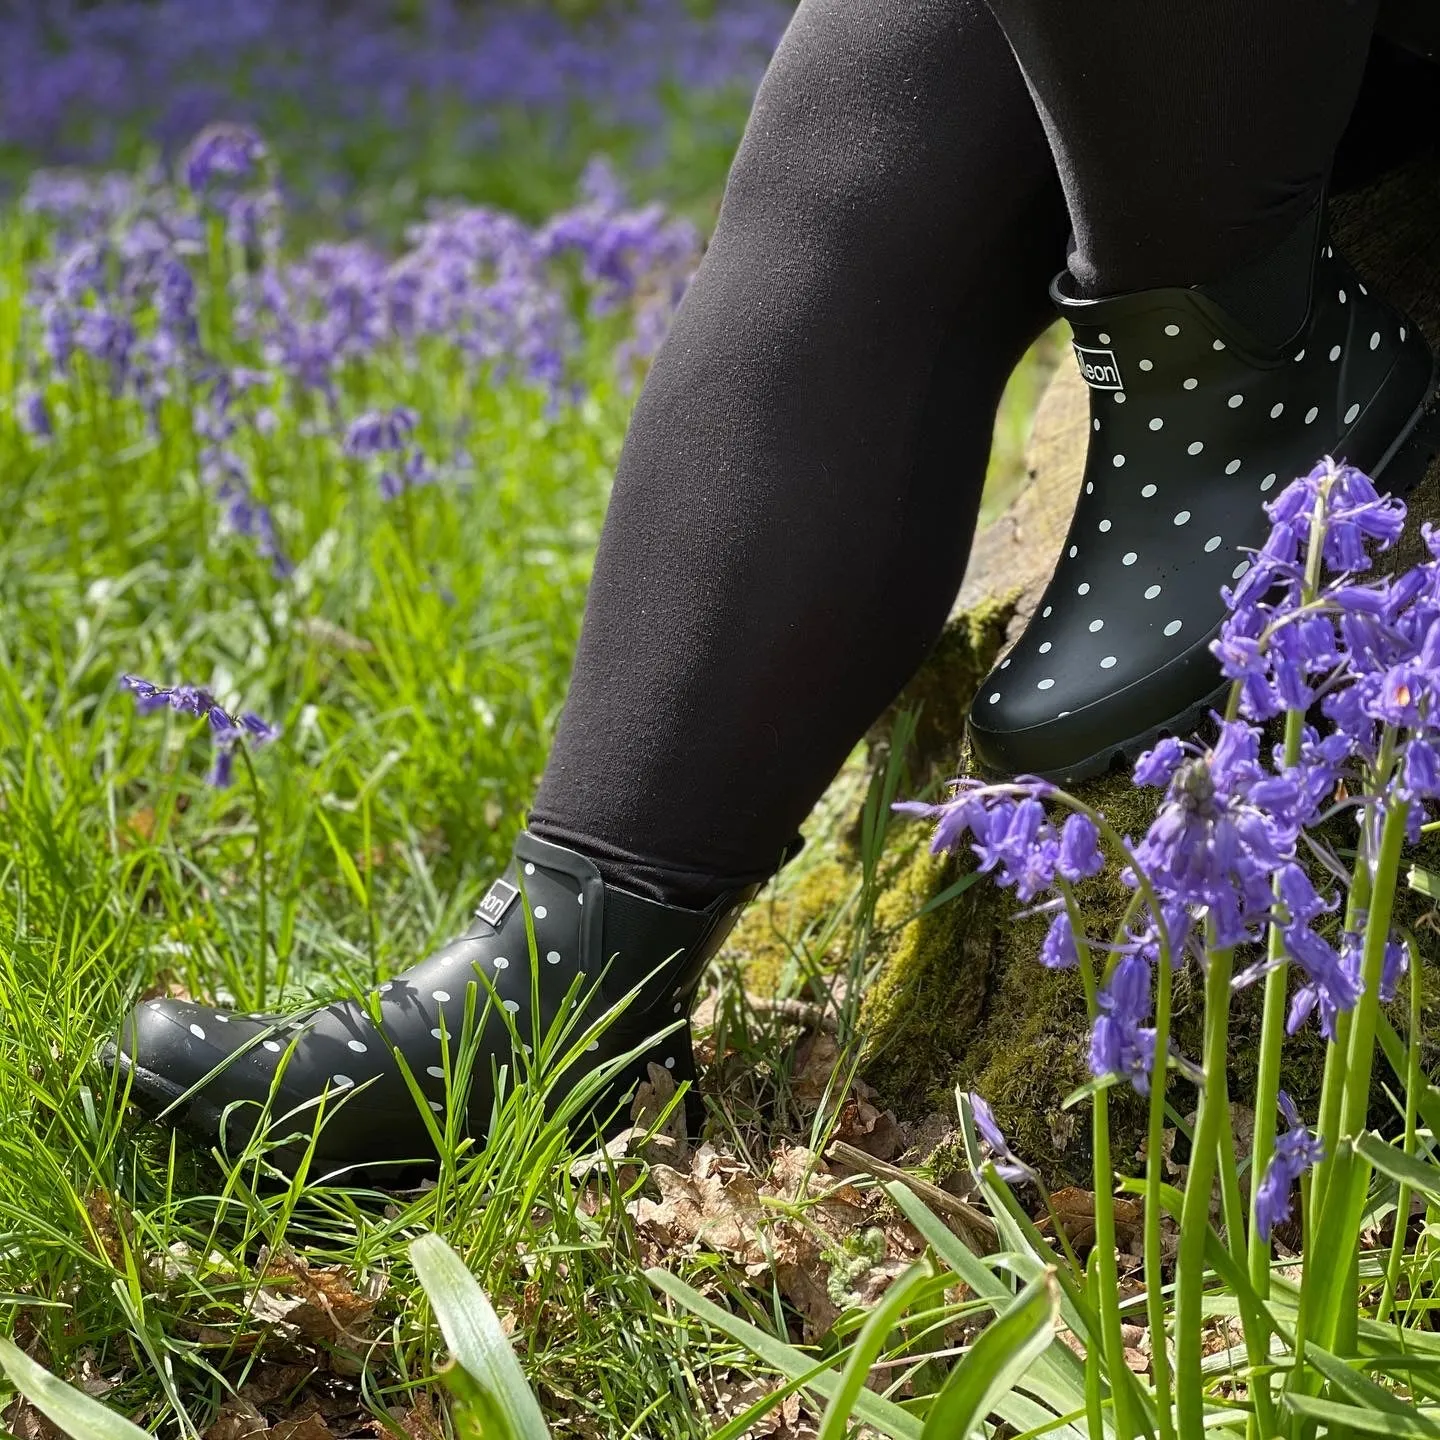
498 899
1099 367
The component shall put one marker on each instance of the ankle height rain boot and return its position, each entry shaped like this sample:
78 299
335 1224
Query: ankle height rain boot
1194 423
210 1072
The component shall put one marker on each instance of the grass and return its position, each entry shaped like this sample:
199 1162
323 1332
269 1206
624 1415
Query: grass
416 660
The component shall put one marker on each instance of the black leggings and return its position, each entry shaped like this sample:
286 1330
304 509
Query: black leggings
798 488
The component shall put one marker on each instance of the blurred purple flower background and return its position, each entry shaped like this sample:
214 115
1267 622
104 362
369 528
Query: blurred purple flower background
81 83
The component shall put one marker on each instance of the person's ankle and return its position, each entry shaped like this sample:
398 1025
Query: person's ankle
667 884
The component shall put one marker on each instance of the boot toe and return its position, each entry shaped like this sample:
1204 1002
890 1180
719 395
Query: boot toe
1015 729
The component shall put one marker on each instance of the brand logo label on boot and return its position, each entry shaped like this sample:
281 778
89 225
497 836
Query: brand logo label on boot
1099 367
498 899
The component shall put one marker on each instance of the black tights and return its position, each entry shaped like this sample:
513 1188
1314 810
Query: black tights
798 488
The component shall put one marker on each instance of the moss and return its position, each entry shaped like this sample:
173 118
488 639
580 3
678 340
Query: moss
762 941
961 999
943 688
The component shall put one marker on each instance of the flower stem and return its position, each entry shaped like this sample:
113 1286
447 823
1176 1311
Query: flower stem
1413 1081
260 849
1272 1038
1361 1056
1332 1087
1107 1272
1272 1025
1154 1179
1195 1212
1335 1281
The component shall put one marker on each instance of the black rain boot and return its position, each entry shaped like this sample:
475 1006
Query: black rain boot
192 1063
1194 423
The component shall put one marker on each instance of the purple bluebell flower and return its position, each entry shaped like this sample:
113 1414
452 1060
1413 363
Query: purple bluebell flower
227 731
1214 843
1331 983
1007 1164
412 471
380 432
1120 1042
1079 856
1058 950
1296 1150
1420 768
225 152
33 414
1394 968
1158 764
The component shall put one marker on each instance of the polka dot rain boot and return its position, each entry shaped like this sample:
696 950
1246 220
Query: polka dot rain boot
1194 424
210 1072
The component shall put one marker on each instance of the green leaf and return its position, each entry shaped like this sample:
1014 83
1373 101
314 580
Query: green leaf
472 1330
873 1409
72 1410
1058 1376
1424 882
996 1362
1093 1086
1395 1053
343 860
1365 1392
1339 1418
1399 1166
865 1351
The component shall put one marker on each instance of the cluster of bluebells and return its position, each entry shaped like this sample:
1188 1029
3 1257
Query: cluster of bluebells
126 292
388 435
74 77
1296 1150
227 731
1223 857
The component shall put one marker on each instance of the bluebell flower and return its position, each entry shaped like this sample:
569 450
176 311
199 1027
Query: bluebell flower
1058 950
1007 1164
225 152
227 731
1079 856
1120 1042
1296 1150
1420 770
380 432
1160 762
1213 843
33 414
413 471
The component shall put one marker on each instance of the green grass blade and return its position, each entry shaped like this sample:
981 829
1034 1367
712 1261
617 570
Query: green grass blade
866 1350
873 1409
472 1331
1399 1166
1341 1418
72 1410
996 1362
1058 1376
1363 1391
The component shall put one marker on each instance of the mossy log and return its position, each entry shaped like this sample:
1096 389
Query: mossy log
961 999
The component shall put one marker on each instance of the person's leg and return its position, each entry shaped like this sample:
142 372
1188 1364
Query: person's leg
1227 345
788 530
1191 135
795 499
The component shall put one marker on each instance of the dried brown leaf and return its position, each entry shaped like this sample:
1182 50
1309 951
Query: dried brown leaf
321 1302
816 1059
421 1421
309 1427
25 1422
236 1419
875 1131
111 1230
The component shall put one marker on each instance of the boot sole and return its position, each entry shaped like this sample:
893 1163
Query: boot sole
1404 464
